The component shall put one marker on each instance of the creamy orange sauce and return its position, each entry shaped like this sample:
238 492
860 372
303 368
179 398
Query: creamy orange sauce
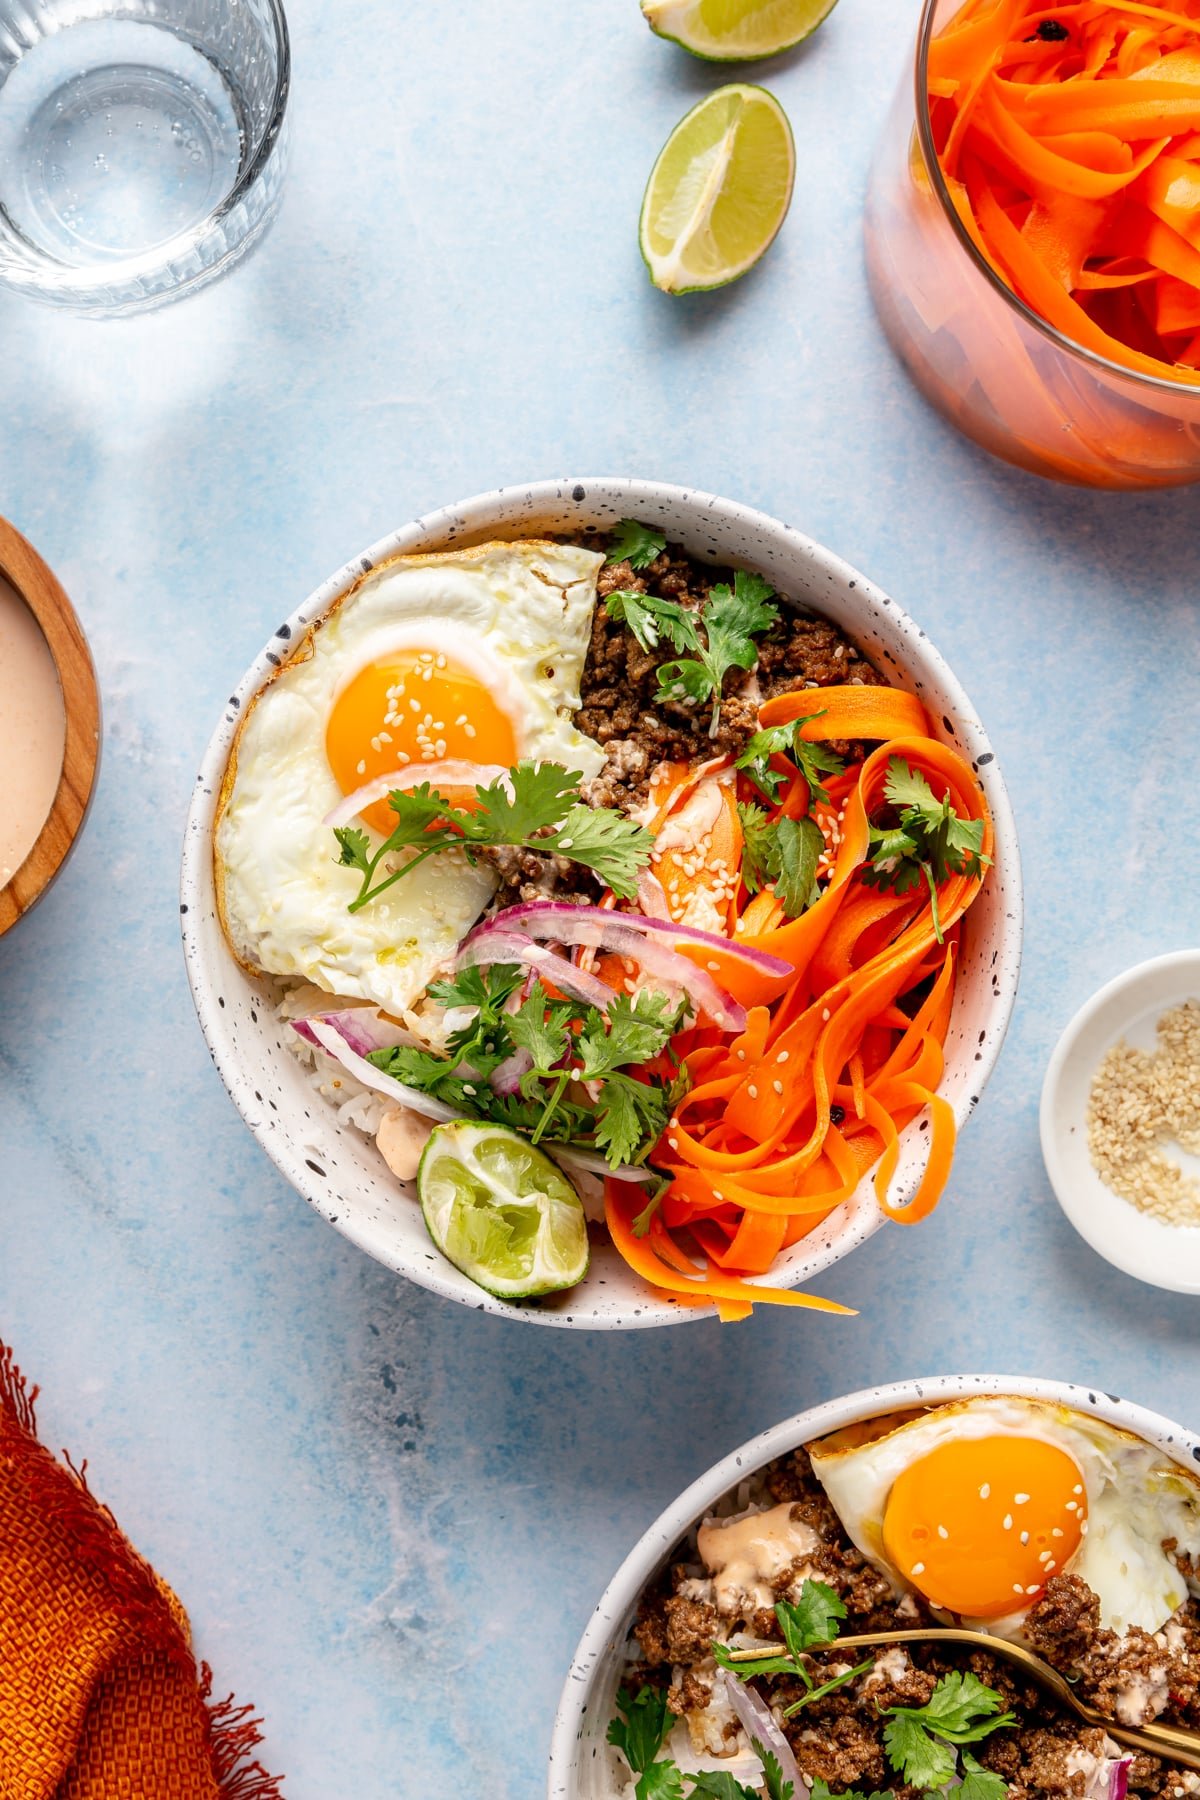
33 730
745 1555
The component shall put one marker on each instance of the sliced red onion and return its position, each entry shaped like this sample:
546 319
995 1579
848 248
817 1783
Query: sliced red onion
487 946
1118 1778
610 932
758 1721
652 896
506 1077
330 1038
360 1027
449 772
595 1164
536 916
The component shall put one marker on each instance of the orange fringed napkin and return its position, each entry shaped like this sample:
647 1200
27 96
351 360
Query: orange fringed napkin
100 1695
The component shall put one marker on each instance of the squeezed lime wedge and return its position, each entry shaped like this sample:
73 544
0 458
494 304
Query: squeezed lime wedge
501 1211
719 191
736 30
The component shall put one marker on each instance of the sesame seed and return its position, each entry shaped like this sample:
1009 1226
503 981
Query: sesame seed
1044 1556
825 1014
1056 1532
985 1491
778 1086
362 768
752 1091
1072 1506
1024 1537
717 1194
1008 1521
1077 1489
674 1143
918 1568
942 1532
1021 1499
712 967
782 1057
1033 1590
1018 1589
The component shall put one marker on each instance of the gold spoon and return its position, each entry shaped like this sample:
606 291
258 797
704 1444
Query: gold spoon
1176 1742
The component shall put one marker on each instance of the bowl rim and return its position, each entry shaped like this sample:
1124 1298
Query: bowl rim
464 520
675 1520
1130 1243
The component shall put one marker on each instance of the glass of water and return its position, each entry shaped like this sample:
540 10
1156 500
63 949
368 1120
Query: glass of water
142 144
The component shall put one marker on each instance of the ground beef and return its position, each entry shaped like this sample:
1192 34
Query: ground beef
839 1738
623 708
525 875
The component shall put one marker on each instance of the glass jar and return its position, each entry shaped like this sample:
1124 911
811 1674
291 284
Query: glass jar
1000 373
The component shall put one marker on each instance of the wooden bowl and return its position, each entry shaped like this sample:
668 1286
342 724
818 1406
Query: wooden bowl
25 571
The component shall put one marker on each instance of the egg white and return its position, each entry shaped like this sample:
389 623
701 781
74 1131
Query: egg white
519 616
1136 1498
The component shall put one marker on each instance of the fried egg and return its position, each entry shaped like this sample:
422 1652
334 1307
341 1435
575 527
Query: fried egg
474 655
975 1505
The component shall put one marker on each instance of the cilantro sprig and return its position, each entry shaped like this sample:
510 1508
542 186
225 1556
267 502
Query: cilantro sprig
923 1742
709 641
643 1723
534 806
812 1620
567 1043
635 544
784 852
929 842
811 760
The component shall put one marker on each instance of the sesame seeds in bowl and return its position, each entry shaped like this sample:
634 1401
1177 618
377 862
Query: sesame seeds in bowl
1119 1122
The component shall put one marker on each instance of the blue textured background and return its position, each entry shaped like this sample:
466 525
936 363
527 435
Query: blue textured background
388 1517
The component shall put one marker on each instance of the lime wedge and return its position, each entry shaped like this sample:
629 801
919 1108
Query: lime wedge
736 30
501 1211
719 191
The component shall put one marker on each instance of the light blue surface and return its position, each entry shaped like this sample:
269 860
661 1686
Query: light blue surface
388 1517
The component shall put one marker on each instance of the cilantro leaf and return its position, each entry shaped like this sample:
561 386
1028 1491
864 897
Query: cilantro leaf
924 1761
730 616
813 1619
651 619
785 852
534 806
811 760
757 839
661 1781
719 1784
777 1788
931 843
961 1708
515 806
541 1028
979 1783
639 1026
799 845
356 848
644 1721
631 1116
614 847
635 544
921 1740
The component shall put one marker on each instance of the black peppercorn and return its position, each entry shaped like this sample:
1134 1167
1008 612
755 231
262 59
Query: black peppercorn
1051 31
836 1114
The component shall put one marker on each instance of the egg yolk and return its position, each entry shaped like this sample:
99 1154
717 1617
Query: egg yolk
413 707
979 1525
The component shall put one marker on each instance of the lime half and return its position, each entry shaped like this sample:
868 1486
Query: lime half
501 1211
736 30
719 191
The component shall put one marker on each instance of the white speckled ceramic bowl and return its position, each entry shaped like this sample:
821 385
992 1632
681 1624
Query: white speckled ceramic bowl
582 1765
340 1171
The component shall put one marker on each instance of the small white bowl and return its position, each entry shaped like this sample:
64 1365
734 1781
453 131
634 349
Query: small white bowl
1166 1256
582 1766
338 1170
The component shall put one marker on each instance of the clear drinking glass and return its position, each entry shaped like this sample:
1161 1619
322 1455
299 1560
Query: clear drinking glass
998 372
142 144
